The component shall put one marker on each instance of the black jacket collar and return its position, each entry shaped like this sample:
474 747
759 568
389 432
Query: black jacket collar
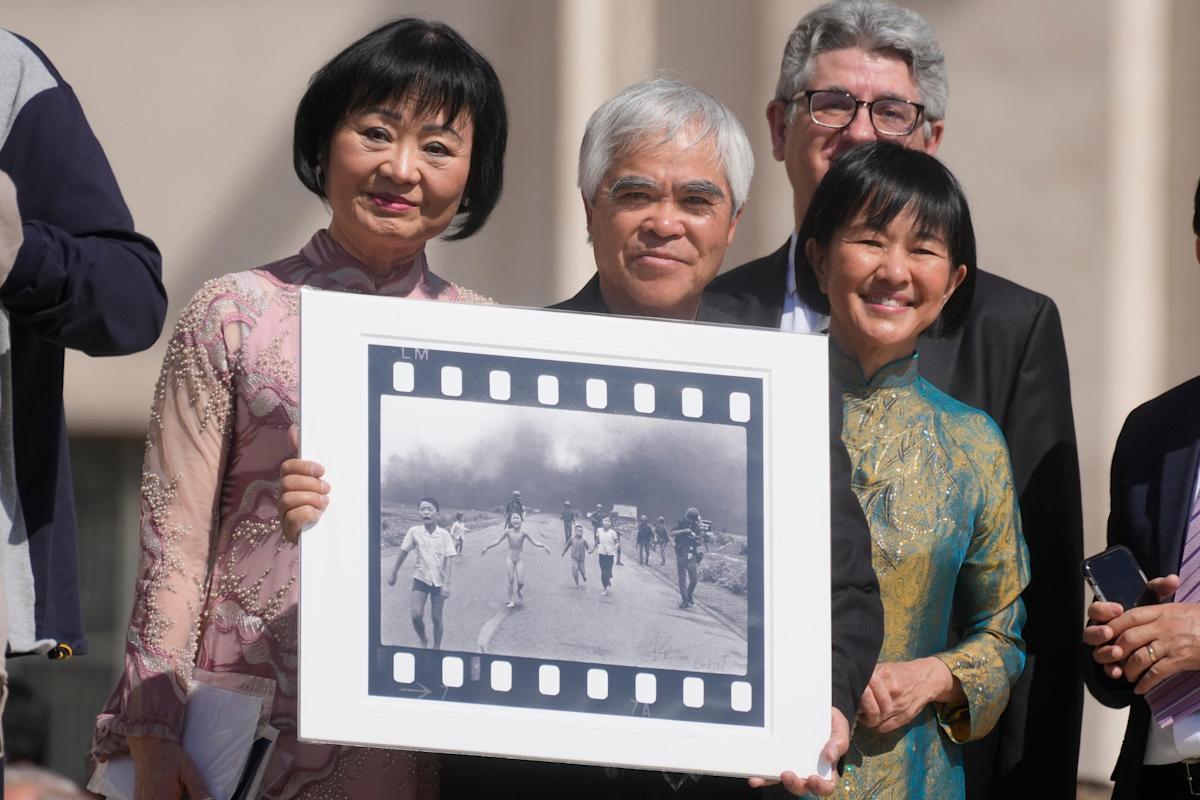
589 300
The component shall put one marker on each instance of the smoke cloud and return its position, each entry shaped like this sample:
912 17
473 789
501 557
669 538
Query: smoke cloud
473 455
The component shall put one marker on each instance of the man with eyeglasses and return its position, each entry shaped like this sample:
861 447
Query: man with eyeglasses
861 70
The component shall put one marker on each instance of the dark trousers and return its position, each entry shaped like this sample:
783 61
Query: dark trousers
687 578
566 531
644 553
1165 782
606 565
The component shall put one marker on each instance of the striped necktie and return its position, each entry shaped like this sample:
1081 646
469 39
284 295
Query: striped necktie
1179 695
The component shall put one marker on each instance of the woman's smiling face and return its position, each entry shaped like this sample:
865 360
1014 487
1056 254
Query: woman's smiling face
884 286
394 180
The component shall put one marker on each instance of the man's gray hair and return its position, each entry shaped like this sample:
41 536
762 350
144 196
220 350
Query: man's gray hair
654 112
877 26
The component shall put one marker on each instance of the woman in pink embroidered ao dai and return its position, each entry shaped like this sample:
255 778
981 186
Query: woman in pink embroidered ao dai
396 155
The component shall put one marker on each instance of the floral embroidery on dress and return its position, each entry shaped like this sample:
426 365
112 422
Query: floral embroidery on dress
217 582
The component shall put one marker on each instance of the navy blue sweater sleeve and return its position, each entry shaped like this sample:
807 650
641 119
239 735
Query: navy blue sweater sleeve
83 279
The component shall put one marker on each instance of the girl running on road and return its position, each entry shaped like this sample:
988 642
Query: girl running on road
516 544
608 545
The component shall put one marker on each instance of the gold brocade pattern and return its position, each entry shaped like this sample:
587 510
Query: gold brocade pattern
935 484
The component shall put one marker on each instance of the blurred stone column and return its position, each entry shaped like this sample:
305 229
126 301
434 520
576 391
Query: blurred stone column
602 47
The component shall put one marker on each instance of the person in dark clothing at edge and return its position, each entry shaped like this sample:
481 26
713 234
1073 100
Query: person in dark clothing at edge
1147 658
73 274
688 536
633 125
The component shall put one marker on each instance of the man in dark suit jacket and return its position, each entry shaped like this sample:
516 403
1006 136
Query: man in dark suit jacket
863 70
662 216
664 171
1152 489
1153 492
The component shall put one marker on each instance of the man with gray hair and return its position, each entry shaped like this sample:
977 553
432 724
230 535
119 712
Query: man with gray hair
863 70
664 170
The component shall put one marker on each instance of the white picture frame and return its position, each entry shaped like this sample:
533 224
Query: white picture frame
378 374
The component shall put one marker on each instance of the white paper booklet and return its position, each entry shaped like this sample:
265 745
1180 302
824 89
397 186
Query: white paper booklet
226 731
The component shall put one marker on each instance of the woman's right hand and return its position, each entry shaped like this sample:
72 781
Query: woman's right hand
164 771
303 496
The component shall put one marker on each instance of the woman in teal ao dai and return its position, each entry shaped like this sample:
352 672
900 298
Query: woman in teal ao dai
889 238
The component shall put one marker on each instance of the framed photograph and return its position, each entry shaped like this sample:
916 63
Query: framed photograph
565 537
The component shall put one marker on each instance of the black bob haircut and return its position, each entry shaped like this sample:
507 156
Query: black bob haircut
427 64
883 180
1196 212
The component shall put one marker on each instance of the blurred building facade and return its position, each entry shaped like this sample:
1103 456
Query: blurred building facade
1071 124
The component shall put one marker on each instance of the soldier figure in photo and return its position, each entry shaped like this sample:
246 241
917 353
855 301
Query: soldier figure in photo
687 554
513 506
568 520
597 518
645 539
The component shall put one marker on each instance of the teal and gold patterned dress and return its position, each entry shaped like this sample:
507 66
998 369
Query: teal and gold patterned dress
935 483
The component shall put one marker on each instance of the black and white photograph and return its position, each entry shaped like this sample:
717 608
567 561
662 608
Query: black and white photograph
564 534
580 523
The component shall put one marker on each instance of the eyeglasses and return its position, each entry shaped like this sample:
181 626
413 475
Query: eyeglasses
830 108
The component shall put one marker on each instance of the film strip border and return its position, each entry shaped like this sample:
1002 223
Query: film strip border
540 683
566 686
593 387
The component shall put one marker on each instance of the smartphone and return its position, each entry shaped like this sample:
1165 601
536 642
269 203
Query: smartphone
1115 577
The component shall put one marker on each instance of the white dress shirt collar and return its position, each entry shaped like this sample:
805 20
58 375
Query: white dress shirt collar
797 315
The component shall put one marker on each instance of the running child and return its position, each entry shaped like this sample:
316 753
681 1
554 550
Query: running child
661 539
516 545
579 549
645 539
457 531
431 577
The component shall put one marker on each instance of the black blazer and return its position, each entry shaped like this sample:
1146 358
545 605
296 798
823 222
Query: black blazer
857 634
1009 360
1150 495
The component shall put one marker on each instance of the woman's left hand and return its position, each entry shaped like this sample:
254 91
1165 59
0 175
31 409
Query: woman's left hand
900 690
